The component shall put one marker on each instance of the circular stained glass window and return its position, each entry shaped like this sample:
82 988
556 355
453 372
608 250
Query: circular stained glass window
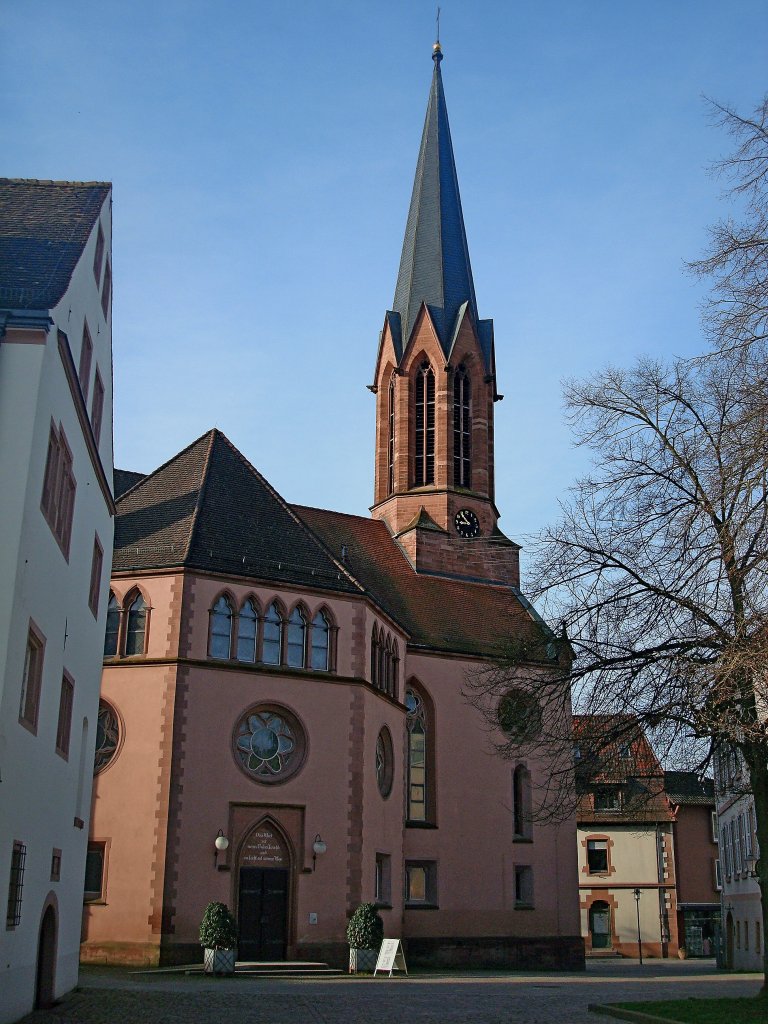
269 744
107 736
384 762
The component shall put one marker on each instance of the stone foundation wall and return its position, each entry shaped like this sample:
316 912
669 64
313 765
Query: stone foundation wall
560 953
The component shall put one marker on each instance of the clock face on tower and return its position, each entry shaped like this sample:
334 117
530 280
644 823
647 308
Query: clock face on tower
467 523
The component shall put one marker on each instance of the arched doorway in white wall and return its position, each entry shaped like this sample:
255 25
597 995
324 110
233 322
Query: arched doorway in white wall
45 980
600 925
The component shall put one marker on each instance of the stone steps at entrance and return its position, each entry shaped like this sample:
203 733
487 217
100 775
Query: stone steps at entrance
278 969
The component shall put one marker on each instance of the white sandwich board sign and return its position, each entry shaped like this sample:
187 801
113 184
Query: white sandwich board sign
391 957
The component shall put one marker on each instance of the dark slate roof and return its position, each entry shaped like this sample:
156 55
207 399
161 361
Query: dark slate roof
44 226
688 788
437 613
208 508
434 266
124 480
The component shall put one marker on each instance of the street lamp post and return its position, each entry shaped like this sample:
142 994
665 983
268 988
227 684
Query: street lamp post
636 894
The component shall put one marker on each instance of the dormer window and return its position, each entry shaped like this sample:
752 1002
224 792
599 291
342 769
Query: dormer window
607 800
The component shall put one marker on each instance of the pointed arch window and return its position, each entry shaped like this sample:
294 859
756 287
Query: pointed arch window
113 627
394 662
391 436
321 647
136 631
220 643
462 429
418 738
273 636
375 641
521 803
247 625
297 639
424 471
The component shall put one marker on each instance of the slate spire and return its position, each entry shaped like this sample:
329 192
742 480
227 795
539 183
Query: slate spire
434 266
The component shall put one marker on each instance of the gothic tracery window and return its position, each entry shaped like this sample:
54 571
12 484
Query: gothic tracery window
417 728
424 470
297 637
247 625
113 627
273 636
321 631
462 429
136 630
220 643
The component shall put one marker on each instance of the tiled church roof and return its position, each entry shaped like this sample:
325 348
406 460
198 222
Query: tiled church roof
43 228
438 613
124 480
208 508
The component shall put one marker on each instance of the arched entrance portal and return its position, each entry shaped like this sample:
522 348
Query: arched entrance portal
600 925
263 891
46 960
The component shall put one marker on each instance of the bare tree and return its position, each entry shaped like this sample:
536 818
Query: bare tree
736 313
657 571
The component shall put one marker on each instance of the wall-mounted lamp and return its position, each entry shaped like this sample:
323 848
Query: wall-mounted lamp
221 845
318 849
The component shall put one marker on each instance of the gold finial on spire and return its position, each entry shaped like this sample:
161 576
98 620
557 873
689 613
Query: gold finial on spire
437 50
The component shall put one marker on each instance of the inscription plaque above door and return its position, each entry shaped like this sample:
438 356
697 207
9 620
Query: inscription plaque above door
264 848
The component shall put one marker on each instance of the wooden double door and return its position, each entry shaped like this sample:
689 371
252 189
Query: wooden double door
262 913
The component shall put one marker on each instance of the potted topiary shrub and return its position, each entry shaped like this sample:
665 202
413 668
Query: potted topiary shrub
365 932
218 936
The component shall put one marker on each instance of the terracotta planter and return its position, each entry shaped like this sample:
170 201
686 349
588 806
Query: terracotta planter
219 961
363 960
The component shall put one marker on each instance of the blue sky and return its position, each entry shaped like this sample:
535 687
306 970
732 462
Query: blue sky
262 156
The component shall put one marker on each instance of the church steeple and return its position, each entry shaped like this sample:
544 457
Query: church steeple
435 268
435 381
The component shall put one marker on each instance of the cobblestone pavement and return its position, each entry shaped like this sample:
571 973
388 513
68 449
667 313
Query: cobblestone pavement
111 996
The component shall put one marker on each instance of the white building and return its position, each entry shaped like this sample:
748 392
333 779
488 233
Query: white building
56 512
741 907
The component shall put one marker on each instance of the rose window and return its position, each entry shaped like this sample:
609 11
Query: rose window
269 744
107 736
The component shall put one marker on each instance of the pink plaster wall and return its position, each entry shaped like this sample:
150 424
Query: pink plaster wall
176 767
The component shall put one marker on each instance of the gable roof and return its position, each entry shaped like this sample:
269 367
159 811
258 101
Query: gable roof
208 508
434 264
614 752
436 612
689 788
44 226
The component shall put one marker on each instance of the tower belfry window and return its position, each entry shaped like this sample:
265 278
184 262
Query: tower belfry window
391 437
462 429
425 426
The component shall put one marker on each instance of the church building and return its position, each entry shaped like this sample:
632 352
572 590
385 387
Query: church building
283 724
